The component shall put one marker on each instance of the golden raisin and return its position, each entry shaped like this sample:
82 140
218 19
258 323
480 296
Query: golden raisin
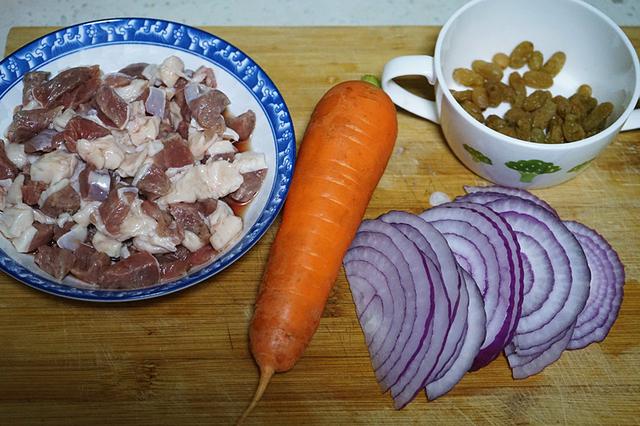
520 54
473 110
467 77
535 60
562 104
520 91
554 131
584 90
523 128
544 114
515 114
554 64
488 70
597 116
501 60
479 97
462 95
536 99
495 122
494 93
537 135
538 79
572 130
509 131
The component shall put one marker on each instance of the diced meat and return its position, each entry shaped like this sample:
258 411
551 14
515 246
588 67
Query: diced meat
112 105
45 141
54 166
15 153
174 265
224 226
167 226
54 260
176 153
247 162
222 150
207 110
207 206
251 183
205 76
94 184
182 124
171 69
117 79
107 245
14 193
137 271
103 153
114 210
28 123
202 256
89 263
30 81
81 128
59 231
153 182
243 124
44 234
191 218
31 190
141 128
8 170
72 239
78 84
66 200
133 90
134 70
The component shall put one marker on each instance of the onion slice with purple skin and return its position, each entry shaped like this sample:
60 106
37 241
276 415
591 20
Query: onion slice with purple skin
607 281
506 191
523 367
486 247
474 336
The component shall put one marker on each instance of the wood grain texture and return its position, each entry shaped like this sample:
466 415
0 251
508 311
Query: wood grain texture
183 359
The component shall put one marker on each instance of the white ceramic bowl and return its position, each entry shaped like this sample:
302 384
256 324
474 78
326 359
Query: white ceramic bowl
114 43
598 54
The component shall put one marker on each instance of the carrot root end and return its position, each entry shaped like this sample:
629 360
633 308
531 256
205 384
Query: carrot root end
265 377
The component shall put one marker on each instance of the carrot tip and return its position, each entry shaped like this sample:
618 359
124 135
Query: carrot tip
265 377
370 78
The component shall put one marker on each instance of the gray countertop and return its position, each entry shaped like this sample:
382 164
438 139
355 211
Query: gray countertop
260 13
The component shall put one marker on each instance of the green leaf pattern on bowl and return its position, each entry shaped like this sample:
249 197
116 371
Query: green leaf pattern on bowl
529 169
580 166
477 156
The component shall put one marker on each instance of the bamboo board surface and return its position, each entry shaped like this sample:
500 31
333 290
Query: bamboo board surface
184 359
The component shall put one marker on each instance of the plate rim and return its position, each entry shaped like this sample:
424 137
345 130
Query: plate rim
279 119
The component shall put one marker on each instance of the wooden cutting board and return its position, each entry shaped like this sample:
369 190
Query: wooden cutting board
184 359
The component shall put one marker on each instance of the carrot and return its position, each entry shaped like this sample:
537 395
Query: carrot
343 154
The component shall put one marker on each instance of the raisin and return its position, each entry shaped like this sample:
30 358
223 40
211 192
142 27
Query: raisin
509 131
535 60
554 64
479 97
494 93
473 110
536 99
597 116
523 128
515 114
501 60
554 131
584 90
537 135
467 77
488 70
572 130
520 91
581 105
461 95
520 54
495 122
538 79
544 114
562 104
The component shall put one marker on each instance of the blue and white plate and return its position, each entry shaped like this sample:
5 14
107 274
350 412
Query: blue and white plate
114 43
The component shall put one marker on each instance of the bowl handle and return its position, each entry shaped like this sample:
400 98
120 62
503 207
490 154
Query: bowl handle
633 122
404 66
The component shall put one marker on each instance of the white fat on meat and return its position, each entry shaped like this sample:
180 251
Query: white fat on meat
103 153
170 70
107 245
72 239
199 143
132 161
152 73
62 118
141 128
23 242
247 162
221 146
133 90
15 153
54 166
230 134
52 190
175 116
192 242
223 225
212 180
83 215
15 220
14 193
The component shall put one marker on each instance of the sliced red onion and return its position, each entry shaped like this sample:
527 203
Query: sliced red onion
528 366
473 338
515 192
73 238
486 247
569 269
607 281
99 185
155 102
414 287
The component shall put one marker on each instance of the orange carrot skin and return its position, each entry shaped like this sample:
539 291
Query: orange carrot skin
343 154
